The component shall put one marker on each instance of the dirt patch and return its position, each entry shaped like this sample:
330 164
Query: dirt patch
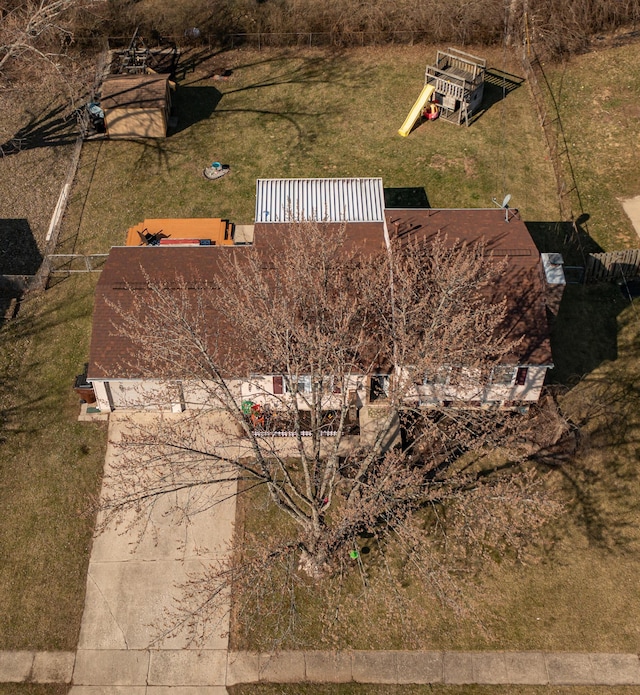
442 164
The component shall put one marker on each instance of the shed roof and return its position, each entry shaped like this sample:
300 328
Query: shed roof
326 200
142 91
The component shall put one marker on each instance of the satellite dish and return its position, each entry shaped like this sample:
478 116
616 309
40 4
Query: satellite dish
505 202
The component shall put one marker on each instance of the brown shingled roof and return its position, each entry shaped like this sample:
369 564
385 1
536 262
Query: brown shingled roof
142 91
360 237
522 284
126 271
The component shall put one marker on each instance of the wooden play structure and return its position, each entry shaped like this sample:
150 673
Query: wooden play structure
458 82
453 90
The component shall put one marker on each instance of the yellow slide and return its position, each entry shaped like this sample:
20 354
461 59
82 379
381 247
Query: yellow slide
415 112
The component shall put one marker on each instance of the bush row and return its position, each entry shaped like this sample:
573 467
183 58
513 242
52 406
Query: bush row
558 26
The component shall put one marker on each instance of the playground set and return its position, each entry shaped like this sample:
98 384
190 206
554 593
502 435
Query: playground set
453 89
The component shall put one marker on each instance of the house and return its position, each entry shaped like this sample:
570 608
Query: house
136 106
359 205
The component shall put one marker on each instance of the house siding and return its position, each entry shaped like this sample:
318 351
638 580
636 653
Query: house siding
433 394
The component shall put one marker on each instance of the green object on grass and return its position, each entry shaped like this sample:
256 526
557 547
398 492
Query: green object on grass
354 554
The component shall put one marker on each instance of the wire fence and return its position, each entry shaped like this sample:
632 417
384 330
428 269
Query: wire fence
569 198
311 39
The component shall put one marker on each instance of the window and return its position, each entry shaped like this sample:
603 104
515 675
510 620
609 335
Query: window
521 376
502 374
302 385
455 375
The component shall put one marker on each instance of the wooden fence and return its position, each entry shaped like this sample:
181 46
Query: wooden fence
65 263
615 265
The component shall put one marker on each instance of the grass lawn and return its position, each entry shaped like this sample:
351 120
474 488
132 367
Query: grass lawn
307 114
599 102
50 463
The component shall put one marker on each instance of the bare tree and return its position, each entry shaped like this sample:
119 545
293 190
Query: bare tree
40 29
325 317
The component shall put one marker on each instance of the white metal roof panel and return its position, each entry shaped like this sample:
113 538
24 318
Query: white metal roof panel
326 200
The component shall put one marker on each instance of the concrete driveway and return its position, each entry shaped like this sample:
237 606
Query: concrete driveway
129 588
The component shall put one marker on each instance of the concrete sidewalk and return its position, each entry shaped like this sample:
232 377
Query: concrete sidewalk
36 667
116 672
426 667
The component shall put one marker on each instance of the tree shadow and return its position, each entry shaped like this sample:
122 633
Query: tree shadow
193 58
603 476
290 68
595 343
50 127
194 104
498 84
20 259
407 197
584 334
19 252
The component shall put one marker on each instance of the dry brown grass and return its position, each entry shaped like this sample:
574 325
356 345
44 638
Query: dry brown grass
30 180
599 95
581 595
